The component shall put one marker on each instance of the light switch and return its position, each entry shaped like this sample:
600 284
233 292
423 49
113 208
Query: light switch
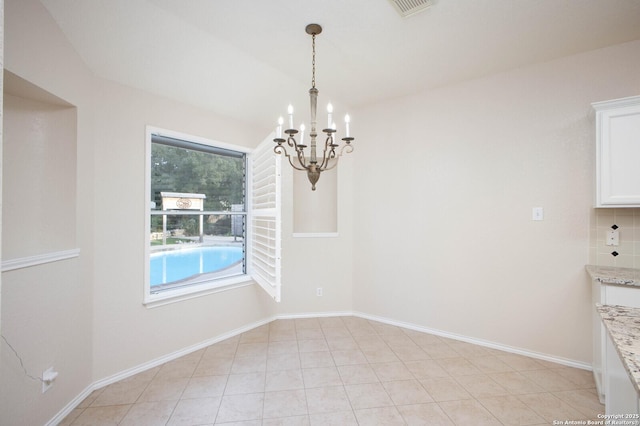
613 237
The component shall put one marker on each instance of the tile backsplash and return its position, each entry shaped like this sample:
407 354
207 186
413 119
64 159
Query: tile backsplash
627 223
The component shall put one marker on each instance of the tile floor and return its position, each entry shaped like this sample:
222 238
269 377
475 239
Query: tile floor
344 371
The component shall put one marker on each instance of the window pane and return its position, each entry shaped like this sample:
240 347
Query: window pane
193 238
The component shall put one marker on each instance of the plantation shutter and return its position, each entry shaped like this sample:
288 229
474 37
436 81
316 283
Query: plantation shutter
264 262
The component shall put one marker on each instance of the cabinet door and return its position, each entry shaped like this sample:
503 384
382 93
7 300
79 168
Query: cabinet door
618 152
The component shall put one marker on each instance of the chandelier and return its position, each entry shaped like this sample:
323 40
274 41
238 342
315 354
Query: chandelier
332 151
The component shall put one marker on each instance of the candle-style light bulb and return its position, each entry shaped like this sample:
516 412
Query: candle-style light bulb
329 115
279 128
290 112
302 134
347 120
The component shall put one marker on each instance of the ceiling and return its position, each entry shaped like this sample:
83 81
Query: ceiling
248 59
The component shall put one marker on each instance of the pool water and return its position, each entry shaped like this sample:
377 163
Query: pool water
176 265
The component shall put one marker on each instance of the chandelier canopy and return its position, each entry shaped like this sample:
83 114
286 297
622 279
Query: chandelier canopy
332 151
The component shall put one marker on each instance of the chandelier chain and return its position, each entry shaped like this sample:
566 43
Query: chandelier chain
313 61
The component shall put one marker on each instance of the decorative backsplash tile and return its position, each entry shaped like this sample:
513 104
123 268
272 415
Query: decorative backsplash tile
627 223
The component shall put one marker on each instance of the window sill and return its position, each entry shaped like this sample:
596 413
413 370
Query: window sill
204 288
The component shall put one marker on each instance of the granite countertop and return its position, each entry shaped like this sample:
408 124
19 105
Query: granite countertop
623 325
614 275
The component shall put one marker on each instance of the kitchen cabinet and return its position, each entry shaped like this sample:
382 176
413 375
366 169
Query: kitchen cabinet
609 286
618 152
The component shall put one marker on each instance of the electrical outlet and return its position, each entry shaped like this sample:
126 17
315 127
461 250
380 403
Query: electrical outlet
613 237
319 291
48 377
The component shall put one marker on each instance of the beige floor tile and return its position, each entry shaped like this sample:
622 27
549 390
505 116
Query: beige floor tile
550 407
341 371
213 366
342 344
385 329
285 403
313 345
120 393
444 389
74 414
405 392
468 350
307 323
516 383
98 416
163 390
250 364
309 333
458 366
490 364
316 359
369 341
335 332
245 383
521 363
321 377
220 350
549 380
368 395
424 414
380 355
343 418
424 339
178 369
236 408
397 340
468 412
357 374
439 351
583 400
327 400
481 386
284 380
257 335
286 361
511 411
388 371
205 387
411 352
252 349
287 421
282 335
197 411
91 398
149 413
283 347
348 357
380 416
426 369
332 322
583 379
282 324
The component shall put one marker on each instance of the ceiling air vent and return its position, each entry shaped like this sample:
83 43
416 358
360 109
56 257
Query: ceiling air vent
410 7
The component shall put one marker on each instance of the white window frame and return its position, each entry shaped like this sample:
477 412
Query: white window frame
209 286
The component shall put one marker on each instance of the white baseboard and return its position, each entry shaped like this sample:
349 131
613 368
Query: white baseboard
190 349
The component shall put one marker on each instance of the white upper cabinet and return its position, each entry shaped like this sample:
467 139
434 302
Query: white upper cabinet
618 152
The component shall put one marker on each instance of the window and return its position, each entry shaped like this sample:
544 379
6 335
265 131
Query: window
201 235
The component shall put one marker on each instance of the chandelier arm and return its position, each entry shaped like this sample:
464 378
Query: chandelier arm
345 150
291 141
279 149
332 153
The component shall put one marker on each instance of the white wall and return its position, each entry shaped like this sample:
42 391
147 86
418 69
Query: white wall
444 234
113 331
